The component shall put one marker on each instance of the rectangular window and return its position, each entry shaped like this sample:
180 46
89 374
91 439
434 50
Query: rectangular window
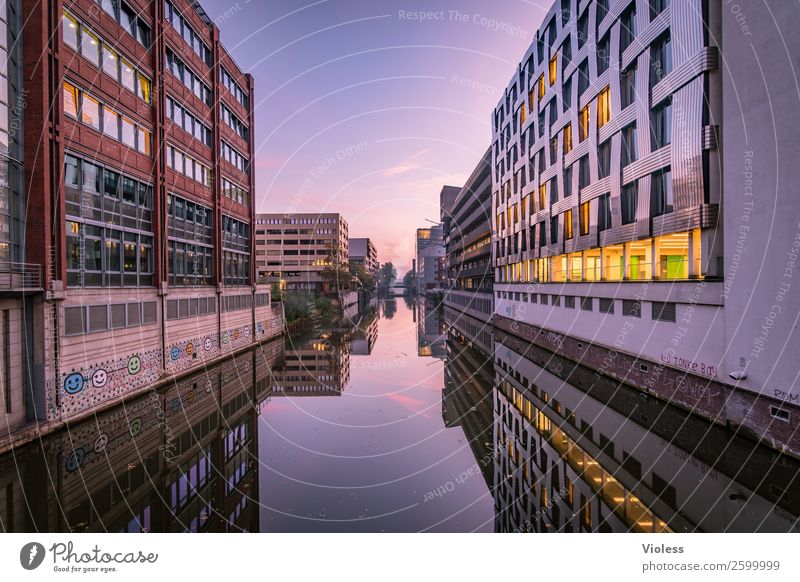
566 94
663 311
627 81
70 100
110 123
127 76
604 159
583 78
606 305
604 212
584 178
542 87
128 133
627 28
661 192
90 48
583 29
603 54
567 137
586 303
583 124
110 63
628 202
90 112
657 7
660 59
554 230
661 125
69 31
143 87
568 225
568 182
553 69
631 308
628 144
543 196
603 107
583 214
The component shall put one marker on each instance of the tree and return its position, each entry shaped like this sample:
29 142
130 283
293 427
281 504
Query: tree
360 273
334 277
387 275
408 281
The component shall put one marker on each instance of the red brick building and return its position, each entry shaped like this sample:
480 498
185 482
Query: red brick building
139 183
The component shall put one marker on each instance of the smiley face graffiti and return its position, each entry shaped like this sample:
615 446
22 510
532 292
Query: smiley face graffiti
134 365
74 383
246 331
99 378
100 443
175 353
135 427
76 459
189 349
207 344
236 334
225 337
260 327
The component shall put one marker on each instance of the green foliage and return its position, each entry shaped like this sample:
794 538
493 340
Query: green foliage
359 272
296 306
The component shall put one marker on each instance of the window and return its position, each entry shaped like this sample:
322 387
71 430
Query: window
566 94
90 112
603 107
568 224
69 31
604 212
70 100
235 89
583 78
127 75
553 230
583 173
627 28
661 193
143 141
661 125
110 63
583 29
568 182
631 308
586 303
663 311
567 137
603 54
606 305
542 196
657 7
627 81
660 59
629 199
604 159
554 190
143 87
90 47
110 123
583 215
583 124
628 144
542 87
553 69
128 134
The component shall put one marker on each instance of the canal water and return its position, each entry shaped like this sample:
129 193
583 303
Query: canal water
411 419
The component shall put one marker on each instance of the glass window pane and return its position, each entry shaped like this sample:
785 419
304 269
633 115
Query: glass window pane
90 47
71 100
110 123
90 111
110 62
127 75
70 31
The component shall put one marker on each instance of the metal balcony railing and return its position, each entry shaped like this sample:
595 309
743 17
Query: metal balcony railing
20 276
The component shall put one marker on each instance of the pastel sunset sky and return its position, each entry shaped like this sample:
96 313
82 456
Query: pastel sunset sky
364 109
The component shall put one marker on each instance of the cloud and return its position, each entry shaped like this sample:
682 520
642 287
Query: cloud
406 165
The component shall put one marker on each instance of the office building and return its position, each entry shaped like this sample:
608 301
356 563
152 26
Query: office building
133 254
625 214
363 252
293 249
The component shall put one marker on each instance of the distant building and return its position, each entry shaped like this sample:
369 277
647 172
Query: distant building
294 249
318 367
429 251
363 252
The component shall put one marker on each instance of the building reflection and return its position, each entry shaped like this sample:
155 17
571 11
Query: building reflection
365 334
593 455
318 366
180 459
430 331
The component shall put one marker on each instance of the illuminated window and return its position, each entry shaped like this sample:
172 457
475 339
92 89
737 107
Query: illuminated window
143 141
603 107
90 48
583 212
90 112
542 196
583 124
110 123
522 115
672 251
567 138
70 31
144 87
612 262
638 255
541 86
568 224
110 63
71 100
553 68
127 76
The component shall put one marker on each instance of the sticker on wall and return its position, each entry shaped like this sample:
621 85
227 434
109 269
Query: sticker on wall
100 443
99 378
190 397
74 383
175 353
236 334
260 327
225 337
189 349
246 331
76 459
134 365
175 405
207 344
135 427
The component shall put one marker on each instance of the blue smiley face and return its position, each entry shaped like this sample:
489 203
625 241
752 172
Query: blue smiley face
75 460
74 383
175 353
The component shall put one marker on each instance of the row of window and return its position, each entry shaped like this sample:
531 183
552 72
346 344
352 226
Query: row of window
107 257
188 122
190 307
232 86
181 25
235 192
237 302
99 53
232 121
233 157
91 112
189 220
190 264
127 18
185 164
189 78
96 318
661 311
235 234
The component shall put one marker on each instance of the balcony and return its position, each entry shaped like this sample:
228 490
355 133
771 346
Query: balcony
20 277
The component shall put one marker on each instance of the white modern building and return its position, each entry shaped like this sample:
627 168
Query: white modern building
644 220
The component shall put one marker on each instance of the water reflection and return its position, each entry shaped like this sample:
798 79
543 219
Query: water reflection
412 420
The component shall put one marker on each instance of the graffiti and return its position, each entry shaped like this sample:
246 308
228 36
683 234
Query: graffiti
207 344
99 378
74 383
135 427
175 353
189 349
100 443
134 365
76 459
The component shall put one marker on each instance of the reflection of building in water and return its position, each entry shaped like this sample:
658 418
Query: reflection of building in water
598 456
430 335
467 401
182 459
316 367
365 335
388 307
